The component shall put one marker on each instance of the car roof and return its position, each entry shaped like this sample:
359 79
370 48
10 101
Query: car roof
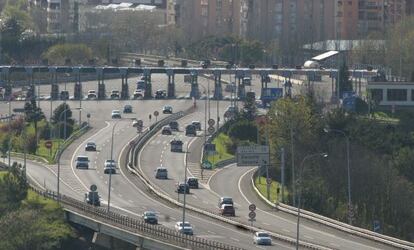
161 168
116 110
90 142
127 105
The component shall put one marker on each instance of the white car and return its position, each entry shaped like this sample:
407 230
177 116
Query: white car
116 114
110 167
139 93
92 94
184 229
262 238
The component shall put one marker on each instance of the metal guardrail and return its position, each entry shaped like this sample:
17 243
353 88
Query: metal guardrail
367 234
134 225
71 138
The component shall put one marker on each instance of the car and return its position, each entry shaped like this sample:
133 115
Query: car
127 109
262 238
166 130
197 124
176 145
167 110
160 94
225 200
231 87
92 198
116 114
182 187
64 95
135 123
92 94
227 209
247 81
184 228
174 125
82 162
90 146
110 167
150 217
139 93
192 182
114 94
161 173
190 130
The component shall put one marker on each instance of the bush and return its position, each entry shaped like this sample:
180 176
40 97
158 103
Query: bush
243 130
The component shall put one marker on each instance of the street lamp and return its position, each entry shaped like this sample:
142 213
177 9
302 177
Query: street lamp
185 180
299 181
110 172
327 130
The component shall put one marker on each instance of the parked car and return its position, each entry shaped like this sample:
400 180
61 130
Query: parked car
90 146
161 173
197 125
82 162
192 182
184 228
116 114
115 94
227 209
166 130
190 130
150 217
174 125
176 145
183 187
167 109
262 238
225 200
127 109
110 167
92 94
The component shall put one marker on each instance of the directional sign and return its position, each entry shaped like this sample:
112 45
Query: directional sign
48 144
211 130
252 207
156 113
211 122
252 215
252 155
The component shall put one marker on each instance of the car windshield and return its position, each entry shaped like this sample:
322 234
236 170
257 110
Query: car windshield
186 224
91 144
162 170
82 158
116 111
149 214
110 161
263 235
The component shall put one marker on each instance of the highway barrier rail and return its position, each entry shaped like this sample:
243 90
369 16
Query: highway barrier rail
364 233
71 138
134 225
133 151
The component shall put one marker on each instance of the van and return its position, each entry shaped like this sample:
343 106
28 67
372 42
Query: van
82 162
190 130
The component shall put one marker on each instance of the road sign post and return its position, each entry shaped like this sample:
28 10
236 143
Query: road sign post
48 145
252 207
156 113
252 217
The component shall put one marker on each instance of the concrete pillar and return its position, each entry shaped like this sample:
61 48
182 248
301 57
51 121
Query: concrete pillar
218 91
195 92
171 84
148 85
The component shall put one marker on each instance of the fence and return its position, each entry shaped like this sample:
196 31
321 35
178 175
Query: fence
134 225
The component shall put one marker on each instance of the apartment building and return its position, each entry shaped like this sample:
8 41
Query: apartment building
200 18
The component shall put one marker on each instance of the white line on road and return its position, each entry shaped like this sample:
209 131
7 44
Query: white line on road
235 239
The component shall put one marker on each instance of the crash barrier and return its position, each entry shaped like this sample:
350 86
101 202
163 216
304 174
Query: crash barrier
364 233
133 152
134 225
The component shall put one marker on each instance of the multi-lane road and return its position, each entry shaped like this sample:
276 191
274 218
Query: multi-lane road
129 195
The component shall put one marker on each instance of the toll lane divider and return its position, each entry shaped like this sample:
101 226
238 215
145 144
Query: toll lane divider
137 145
364 233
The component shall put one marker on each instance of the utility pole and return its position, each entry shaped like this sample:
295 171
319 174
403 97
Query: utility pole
282 167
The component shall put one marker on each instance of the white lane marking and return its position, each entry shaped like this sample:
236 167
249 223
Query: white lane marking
234 239
284 229
211 232
267 224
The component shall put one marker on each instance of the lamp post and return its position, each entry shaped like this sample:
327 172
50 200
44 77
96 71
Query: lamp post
299 181
185 181
9 156
327 130
110 172
59 153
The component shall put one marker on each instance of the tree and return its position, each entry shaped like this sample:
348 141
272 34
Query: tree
344 82
58 119
78 53
14 188
249 107
33 114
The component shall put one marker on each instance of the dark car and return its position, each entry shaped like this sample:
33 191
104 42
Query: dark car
174 125
190 130
150 217
183 187
167 110
176 145
64 95
90 146
160 94
192 182
197 124
115 94
166 130
127 109
225 200
227 209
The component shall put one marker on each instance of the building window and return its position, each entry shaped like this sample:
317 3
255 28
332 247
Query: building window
396 94
376 94
412 95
